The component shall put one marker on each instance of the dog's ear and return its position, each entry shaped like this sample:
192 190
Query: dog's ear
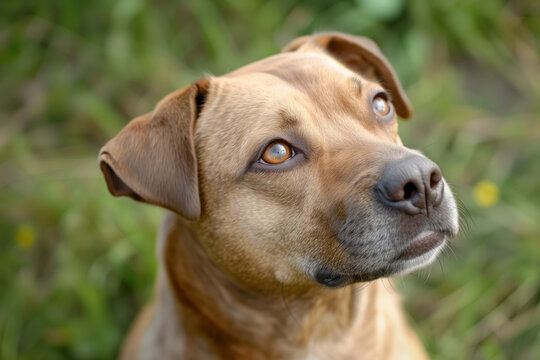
153 158
359 54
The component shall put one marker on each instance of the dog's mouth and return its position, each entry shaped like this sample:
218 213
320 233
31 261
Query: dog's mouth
421 245
421 251
331 278
334 279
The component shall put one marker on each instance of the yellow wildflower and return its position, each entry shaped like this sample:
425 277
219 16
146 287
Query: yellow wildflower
25 236
486 193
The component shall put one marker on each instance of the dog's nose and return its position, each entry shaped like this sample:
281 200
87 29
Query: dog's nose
412 185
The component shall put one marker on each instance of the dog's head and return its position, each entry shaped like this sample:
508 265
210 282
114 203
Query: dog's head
290 170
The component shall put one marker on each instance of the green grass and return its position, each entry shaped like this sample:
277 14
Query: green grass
76 263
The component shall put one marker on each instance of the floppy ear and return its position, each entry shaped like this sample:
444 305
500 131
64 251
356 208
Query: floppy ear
153 158
361 55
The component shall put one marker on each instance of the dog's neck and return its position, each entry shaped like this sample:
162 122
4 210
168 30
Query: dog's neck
229 322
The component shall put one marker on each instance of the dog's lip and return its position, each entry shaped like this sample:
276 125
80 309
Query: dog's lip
331 279
421 245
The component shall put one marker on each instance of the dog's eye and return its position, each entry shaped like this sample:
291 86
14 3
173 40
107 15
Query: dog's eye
277 152
381 107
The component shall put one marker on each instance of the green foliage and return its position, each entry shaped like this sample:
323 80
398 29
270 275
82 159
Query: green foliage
76 264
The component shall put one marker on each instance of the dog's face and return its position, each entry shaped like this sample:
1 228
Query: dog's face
291 169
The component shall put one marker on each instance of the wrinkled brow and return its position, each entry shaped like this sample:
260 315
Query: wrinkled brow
287 119
356 83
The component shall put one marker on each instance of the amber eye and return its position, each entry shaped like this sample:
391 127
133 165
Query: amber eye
277 152
381 107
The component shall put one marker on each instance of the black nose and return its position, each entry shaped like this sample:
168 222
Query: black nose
412 185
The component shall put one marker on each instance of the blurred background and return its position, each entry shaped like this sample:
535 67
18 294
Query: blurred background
76 264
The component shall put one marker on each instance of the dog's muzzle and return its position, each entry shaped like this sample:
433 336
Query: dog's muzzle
411 221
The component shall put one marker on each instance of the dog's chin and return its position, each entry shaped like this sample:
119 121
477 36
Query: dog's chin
422 251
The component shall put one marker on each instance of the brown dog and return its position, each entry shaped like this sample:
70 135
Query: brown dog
290 197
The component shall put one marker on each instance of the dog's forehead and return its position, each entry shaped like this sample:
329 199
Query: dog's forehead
313 80
309 80
293 82
291 62
296 67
